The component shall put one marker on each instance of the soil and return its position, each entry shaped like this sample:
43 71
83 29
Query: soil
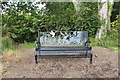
105 65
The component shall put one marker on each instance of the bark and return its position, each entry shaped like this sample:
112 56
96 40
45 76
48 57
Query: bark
109 15
102 31
76 4
119 24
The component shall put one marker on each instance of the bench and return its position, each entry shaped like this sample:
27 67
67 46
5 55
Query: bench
63 44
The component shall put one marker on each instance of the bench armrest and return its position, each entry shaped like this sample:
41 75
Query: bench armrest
88 44
38 45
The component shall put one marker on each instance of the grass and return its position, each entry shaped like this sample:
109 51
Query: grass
28 45
6 51
106 43
114 48
7 45
11 50
110 41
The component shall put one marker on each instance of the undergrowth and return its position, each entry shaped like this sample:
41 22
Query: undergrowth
8 45
28 45
110 41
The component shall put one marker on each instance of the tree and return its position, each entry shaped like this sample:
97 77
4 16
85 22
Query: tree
21 20
18 20
110 8
102 31
105 14
61 15
76 4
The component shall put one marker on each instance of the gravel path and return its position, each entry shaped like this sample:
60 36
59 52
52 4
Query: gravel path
105 65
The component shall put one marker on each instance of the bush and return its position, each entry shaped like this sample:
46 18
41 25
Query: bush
110 41
7 43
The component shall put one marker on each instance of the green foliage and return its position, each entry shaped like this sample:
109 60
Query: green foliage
7 43
60 15
111 40
19 21
66 18
115 23
88 18
22 20
28 45
94 41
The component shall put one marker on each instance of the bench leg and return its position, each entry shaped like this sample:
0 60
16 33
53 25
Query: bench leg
91 58
36 59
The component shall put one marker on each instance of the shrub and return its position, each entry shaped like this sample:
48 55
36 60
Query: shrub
7 43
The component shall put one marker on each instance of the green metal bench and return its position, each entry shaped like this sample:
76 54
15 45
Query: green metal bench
63 44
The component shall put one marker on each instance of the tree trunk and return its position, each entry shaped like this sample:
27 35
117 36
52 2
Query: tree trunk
102 31
76 4
109 15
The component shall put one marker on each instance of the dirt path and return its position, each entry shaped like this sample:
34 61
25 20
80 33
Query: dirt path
105 64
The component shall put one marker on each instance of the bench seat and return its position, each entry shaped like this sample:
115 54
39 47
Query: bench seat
64 49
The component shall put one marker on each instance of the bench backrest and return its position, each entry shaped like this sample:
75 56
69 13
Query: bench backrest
63 37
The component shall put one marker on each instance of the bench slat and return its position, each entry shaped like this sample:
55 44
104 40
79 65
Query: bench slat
64 49
62 46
